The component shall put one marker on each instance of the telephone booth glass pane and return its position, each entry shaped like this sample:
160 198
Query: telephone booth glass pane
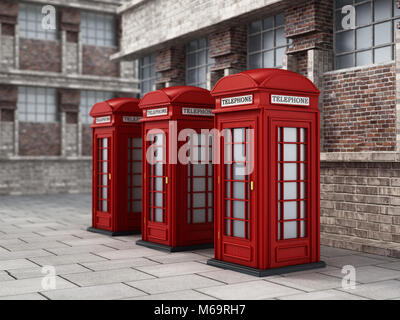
237 182
200 179
157 178
103 170
292 183
134 175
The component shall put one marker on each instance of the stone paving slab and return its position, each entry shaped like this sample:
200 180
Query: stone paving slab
177 295
106 277
17 287
37 271
38 231
253 290
171 284
25 297
101 292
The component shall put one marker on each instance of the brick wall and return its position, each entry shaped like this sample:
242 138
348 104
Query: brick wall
96 61
40 55
360 206
359 109
171 64
86 140
39 139
45 176
229 48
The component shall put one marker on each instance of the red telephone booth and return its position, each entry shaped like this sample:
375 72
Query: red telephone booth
267 213
117 167
177 194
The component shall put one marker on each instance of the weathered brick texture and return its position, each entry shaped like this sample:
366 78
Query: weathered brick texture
171 64
8 11
229 48
96 61
310 25
86 140
359 109
45 176
40 55
360 205
39 139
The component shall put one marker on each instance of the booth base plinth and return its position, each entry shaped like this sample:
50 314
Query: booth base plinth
165 248
114 234
266 272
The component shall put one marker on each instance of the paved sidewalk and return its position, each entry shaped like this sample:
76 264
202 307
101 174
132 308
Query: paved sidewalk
37 231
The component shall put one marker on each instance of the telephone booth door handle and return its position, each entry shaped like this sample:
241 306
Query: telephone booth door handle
252 185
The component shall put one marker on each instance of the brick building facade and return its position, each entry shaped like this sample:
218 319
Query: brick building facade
49 79
356 69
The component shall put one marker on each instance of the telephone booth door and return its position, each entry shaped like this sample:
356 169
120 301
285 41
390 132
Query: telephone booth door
102 219
133 179
237 193
197 222
291 229
157 220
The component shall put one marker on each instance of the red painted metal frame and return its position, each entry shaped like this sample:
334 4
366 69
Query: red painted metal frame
117 219
263 250
175 232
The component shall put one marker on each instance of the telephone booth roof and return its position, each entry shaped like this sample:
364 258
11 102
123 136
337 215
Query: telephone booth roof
178 95
116 106
267 79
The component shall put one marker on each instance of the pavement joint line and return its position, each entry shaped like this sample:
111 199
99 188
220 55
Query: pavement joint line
8 272
149 274
5 248
284 285
43 295
95 254
130 286
80 264
66 279
206 294
29 259
48 250
349 292
203 276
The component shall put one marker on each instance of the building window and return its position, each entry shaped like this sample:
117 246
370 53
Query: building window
147 73
98 29
198 63
89 99
372 40
30 19
267 42
37 104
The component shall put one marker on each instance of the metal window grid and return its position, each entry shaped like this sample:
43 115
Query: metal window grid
274 49
302 179
230 179
30 19
98 29
103 162
90 98
159 146
147 73
394 19
194 66
36 104
195 212
134 175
